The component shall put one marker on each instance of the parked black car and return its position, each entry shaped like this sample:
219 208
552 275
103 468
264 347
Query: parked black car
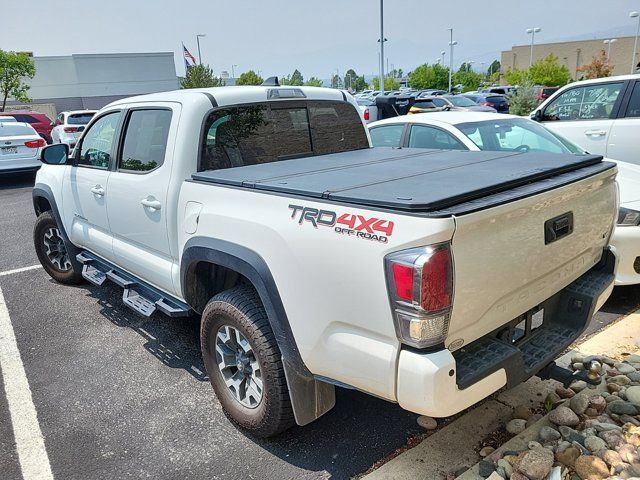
499 102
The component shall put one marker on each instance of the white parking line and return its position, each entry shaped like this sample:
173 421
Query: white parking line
20 270
32 453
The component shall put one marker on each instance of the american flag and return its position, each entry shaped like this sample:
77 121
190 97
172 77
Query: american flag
189 60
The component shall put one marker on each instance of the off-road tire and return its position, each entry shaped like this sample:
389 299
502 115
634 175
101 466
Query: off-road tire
44 223
240 307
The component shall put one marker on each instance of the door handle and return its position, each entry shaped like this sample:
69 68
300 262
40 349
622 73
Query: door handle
595 133
98 191
151 204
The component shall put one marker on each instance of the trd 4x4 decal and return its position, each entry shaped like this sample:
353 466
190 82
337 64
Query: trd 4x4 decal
369 228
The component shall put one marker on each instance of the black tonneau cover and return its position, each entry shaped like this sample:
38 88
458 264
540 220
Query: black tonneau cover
415 180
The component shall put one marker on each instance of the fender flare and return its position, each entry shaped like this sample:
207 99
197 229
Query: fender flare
310 398
40 190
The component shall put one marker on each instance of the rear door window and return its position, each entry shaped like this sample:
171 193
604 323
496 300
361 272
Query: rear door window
79 118
633 108
386 136
263 133
423 136
145 140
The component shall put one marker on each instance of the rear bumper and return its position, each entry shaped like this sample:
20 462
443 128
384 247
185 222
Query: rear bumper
20 165
626 241
441 384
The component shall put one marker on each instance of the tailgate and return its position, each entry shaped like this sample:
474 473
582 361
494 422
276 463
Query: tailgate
504 266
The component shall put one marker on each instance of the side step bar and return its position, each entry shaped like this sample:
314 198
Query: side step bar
138 295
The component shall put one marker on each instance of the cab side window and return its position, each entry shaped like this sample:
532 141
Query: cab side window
588 102
98 141
145 140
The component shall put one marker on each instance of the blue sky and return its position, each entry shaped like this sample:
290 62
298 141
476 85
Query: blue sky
316 37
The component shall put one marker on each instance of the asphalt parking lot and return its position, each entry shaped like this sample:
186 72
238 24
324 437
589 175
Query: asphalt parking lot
121 396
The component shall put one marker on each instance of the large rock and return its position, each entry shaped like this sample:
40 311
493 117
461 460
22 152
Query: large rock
614 438
595 444
633 395
598 403
624 368
628 453
571 435
621 380
611 457
579 403
620 407
568 456
564 416
590 467
535 464
564 392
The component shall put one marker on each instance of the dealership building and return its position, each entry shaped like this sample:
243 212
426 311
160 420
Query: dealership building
91 81
574 54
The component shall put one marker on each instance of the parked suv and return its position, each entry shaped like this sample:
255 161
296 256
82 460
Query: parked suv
39 121
69 126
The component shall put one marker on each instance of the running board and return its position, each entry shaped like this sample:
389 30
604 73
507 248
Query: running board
138 295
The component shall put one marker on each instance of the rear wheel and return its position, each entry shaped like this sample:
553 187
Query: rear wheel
244 363
52 252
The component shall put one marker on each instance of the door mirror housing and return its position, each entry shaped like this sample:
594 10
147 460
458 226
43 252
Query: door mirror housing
56 154
52 124
536 115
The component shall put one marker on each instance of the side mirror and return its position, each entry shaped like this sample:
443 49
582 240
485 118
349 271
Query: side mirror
81 129
536 115
56 154
52 124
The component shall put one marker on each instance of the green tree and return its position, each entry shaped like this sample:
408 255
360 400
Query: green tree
360 84
249 78
313 82
389 84
14 69
349 78
548 71
295 79
429 76
200 76
523 101
516 77
336 81
493 68
466 77
598 68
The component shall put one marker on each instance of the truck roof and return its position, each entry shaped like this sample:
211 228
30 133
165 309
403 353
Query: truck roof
236 95
413 180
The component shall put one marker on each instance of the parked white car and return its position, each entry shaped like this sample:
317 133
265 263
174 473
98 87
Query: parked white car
601 115
69 126
368 109
20 147
509 133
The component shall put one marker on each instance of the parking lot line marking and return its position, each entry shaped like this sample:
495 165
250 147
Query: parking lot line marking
20 270
32 454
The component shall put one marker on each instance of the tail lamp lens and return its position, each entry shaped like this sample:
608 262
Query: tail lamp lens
70 129
366 114
420 282
35 143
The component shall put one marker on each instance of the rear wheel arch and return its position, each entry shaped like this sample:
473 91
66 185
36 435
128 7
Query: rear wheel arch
234 265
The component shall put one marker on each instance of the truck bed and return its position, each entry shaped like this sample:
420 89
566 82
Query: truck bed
431 182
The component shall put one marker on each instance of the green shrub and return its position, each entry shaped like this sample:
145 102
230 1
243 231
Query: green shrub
523 101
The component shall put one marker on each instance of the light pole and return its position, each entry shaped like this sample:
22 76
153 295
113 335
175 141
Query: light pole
233 71
443 54
532 32
381 40
452 43
635 43
608 42
198 41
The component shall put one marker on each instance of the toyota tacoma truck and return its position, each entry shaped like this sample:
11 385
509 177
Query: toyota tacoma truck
427 278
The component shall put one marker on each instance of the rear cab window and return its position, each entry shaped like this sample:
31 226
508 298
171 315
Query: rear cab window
270 132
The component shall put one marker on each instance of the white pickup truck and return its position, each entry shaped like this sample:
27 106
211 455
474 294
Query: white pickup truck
427 278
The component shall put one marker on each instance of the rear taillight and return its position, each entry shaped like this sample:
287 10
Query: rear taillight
486 104
70 129
35 143
366 114
420 283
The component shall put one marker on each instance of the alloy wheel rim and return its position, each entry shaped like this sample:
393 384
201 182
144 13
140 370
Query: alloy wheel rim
55 250
238 366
